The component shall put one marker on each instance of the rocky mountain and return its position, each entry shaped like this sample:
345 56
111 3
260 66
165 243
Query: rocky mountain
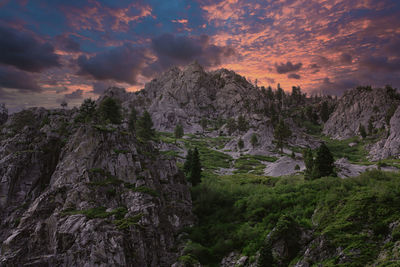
78 190
361 106
390 146
86 195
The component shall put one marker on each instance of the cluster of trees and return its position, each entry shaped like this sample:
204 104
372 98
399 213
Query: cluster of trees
109 111
192 167
319 166
241 124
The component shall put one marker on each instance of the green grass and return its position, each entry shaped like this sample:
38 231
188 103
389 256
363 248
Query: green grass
237 212
341 149
125 223
98 212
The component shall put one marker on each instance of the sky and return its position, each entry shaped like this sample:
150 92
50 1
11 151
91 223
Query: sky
53 51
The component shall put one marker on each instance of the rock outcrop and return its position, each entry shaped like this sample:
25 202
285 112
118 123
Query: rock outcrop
358 106
86 195
389 147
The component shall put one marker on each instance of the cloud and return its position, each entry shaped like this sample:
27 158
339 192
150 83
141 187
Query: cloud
77 94
121 64
16 79
294 76
62 90
181 50
100 87
380 64
337 87
346 58
288 67
21 50
65 42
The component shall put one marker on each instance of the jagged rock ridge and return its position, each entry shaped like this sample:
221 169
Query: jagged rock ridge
93 197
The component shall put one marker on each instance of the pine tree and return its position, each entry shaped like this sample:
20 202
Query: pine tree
308 162
254 140
203 123
110 110
86 111
324 163
195 172
240 144
132 119
371 125
324 111
242 124
362 131
178 132
266 258
187 166
231 126
281 133
270 93
144 126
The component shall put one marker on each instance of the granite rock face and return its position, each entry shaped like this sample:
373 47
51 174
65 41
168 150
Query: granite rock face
83 195
358 106
390 146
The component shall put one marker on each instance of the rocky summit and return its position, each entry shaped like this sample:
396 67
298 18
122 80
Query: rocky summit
203 168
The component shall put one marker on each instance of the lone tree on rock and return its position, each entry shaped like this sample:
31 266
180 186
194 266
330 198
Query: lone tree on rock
323 163
132 119
203 123
240 144
281 134
86 111
362 131
231 126
110 110
144 126
178 132
254 140
192 167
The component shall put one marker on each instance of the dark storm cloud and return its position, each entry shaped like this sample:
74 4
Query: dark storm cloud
21 50
383 64
337 87
100 87
346 58
181 50
121 64
294 76
288 67
16 79
65 42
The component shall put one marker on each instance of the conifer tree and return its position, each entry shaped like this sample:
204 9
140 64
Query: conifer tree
324 111
144 126
309 163
110 110
254 140
87 110
203 123
187 166
362 131
242 124
195 172
132 119
324 163
281 133
178 132
231 125
240 144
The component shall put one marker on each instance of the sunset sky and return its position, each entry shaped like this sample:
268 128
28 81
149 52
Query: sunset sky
69 50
